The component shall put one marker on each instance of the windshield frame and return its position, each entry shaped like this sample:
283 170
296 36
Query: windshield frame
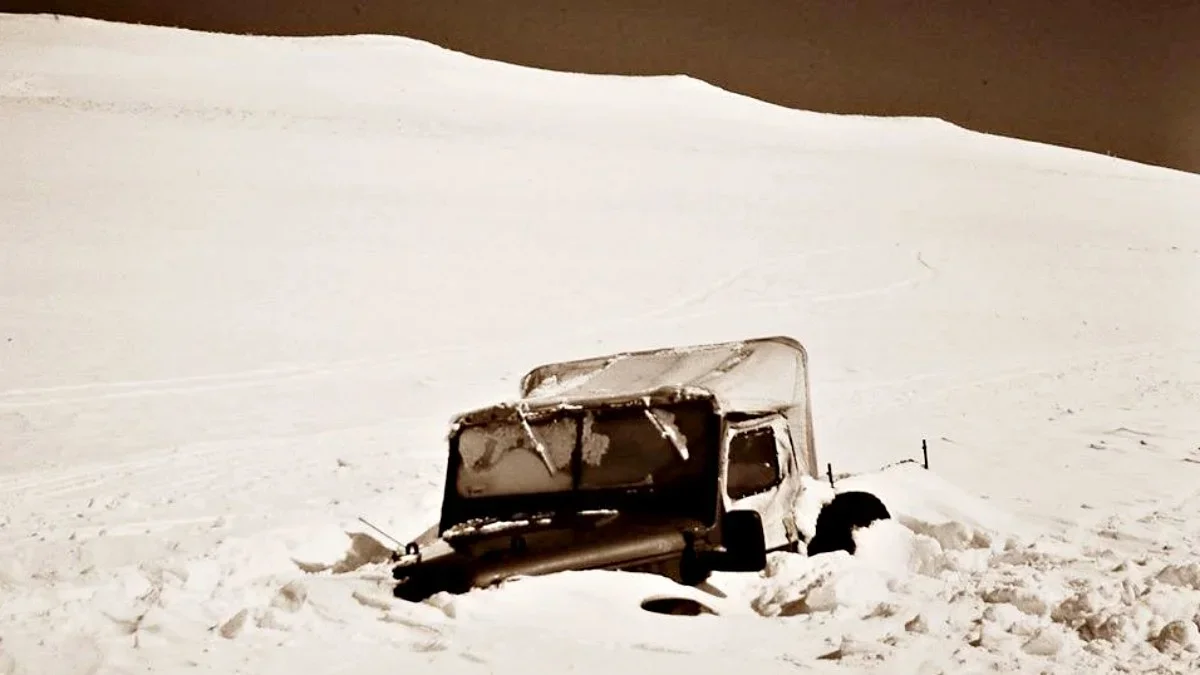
697 498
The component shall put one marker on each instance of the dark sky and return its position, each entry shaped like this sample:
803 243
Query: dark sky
1108 76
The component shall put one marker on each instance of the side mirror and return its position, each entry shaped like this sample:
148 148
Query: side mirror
744 542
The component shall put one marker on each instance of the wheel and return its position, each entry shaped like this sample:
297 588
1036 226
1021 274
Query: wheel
839 518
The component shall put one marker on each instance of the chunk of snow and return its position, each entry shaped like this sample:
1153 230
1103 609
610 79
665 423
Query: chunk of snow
1183 576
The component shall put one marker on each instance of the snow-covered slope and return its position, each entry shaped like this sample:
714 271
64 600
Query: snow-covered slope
245 281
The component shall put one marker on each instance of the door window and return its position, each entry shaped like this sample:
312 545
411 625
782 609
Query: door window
753 462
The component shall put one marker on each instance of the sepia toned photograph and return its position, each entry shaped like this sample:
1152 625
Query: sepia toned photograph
542 337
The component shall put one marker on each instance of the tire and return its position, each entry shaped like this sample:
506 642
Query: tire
841 517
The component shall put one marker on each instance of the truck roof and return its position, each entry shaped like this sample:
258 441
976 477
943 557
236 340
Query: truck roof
757 375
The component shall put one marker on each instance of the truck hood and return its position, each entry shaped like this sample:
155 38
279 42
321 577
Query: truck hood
485 559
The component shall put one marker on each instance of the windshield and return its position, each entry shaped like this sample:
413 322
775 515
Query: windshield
623 447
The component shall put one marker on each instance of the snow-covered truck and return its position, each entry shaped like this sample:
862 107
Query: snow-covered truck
677 461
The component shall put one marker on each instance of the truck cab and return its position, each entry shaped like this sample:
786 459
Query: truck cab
678 461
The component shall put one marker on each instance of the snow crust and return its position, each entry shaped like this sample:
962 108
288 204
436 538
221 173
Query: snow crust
245 281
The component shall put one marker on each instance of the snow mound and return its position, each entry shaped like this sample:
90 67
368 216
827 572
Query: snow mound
934 529
952 567
887 556
932 505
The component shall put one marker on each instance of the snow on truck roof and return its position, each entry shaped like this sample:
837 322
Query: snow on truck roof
760 375
756 375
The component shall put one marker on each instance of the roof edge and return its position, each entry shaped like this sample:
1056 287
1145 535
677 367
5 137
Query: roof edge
531 379
660 395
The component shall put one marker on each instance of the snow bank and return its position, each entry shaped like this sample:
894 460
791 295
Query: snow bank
934 529
953 567
932 505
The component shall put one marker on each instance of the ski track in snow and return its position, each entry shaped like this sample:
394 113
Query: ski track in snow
158 503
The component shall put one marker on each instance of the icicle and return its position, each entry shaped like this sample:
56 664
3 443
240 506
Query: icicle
537 443
670 433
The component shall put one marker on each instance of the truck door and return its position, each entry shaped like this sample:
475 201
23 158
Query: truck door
760 475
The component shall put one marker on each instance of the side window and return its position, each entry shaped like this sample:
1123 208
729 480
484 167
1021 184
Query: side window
753 463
